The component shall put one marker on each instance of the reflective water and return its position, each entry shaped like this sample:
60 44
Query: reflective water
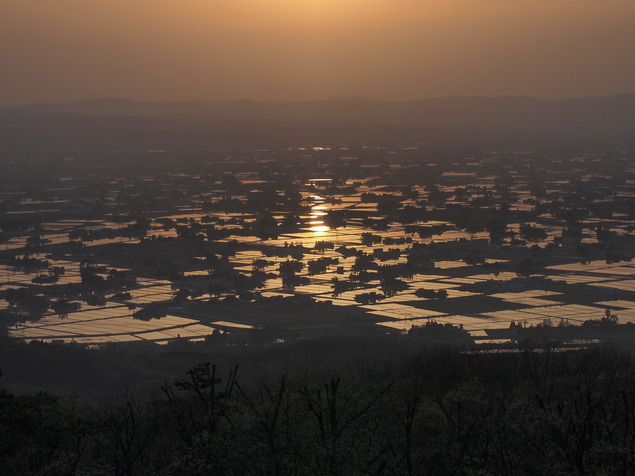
114 321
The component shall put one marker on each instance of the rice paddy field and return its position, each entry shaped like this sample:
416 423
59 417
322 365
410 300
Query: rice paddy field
582 287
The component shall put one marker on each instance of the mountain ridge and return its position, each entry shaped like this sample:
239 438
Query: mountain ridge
518 122
463 111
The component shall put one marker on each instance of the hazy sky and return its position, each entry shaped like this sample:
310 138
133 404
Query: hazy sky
64 50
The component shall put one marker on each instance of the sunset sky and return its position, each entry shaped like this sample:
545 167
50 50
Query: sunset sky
178 50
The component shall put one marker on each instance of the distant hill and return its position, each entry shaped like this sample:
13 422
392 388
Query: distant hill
456 111
506 122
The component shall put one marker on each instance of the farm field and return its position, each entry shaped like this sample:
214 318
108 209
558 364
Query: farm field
378 242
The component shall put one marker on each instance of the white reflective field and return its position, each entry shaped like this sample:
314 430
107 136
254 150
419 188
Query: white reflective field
113 322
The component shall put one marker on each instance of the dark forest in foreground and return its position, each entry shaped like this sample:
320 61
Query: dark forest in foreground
354 410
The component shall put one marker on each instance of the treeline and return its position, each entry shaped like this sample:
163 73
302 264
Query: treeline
434 411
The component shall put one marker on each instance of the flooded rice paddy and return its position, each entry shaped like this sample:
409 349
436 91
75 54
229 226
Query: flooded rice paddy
114 322
477 311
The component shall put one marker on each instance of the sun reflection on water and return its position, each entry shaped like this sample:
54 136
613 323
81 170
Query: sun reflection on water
318 210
